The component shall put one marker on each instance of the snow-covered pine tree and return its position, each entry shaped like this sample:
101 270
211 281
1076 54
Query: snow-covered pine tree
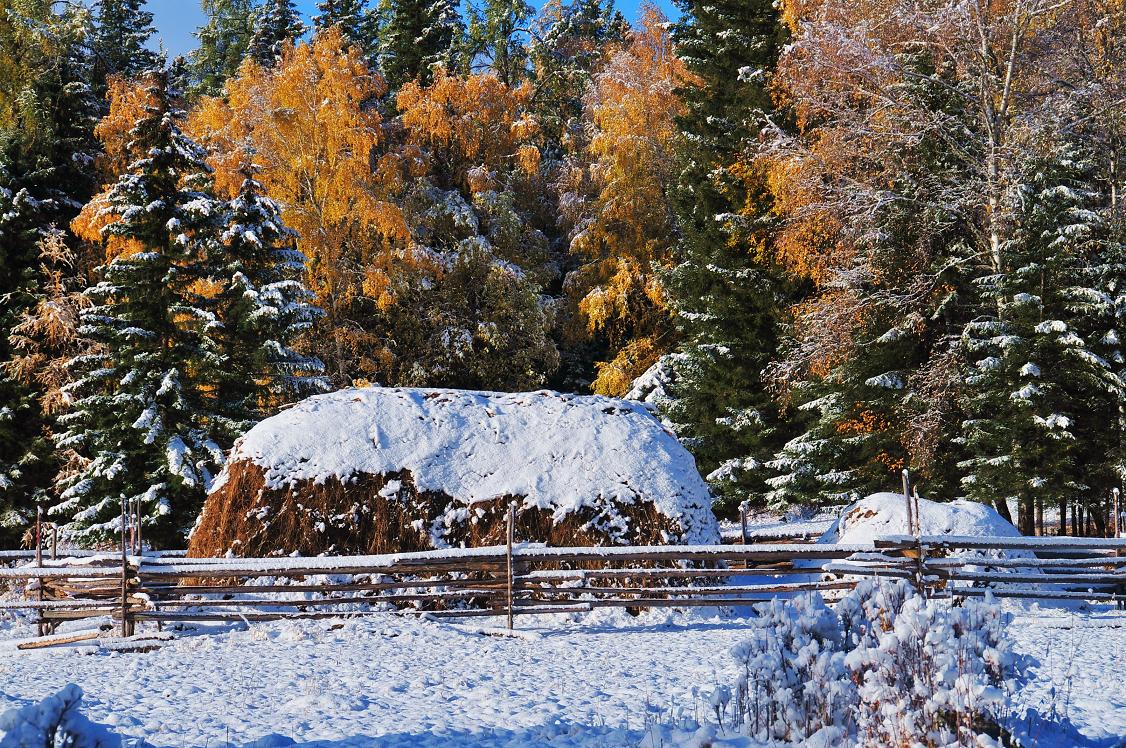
277 22
136 414
46 153
223 43
497 34
261 307
122 29
725 293
571 47
416 36
1041 398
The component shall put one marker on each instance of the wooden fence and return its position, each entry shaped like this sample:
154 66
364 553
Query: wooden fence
520 579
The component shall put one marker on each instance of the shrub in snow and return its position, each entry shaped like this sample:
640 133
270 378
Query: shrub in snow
887 667
55 722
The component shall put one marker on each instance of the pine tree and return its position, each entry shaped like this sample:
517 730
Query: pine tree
416 36
136 412
354 21
496 34
223 43
573 43
725 292
1041 398
121 31
278 22
47 113
261 307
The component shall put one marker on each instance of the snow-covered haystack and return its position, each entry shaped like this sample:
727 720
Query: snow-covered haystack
886 514
378 470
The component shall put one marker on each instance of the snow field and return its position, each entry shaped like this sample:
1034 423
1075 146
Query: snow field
598 681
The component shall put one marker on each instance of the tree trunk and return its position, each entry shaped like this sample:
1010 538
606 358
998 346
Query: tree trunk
1039 516
1002 508
1025 516
1063 517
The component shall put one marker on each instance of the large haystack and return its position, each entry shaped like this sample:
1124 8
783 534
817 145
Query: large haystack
379 470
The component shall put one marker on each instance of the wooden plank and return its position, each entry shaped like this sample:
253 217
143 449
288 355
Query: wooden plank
57 639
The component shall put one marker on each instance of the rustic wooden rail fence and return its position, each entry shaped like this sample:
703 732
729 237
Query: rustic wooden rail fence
522 579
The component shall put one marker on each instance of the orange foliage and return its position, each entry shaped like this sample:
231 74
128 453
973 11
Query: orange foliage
127 101
318 140
628 225
471 124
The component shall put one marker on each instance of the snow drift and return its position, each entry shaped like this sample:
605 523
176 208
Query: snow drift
377 470
886 514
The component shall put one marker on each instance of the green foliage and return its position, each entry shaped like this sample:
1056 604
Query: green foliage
575 40
277 22
122 28
1044 394
136 396
261 307
496 35
223 43
417 35
726 294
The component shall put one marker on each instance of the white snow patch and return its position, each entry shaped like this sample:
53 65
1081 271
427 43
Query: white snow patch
559 452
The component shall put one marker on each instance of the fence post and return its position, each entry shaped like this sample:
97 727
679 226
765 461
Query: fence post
140 540
124 577
54 541
40 625
511 535
743 520
907 500
1114 495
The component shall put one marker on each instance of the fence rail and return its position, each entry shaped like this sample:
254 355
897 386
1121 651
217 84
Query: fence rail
523 579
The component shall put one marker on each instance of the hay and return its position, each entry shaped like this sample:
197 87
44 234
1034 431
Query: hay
374 514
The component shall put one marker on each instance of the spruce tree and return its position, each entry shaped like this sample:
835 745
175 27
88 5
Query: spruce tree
122 28
354 20
223 43
278 22
261 307
565 56
496 33
726 295
417 35
136 414
1042 399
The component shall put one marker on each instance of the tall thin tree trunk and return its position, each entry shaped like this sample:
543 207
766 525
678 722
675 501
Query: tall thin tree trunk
1025 514
1002 508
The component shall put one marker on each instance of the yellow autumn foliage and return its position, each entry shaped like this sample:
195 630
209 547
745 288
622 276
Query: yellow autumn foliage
626 231
320 144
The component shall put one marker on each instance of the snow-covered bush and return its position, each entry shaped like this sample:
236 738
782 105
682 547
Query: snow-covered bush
55 722
793 682
887 667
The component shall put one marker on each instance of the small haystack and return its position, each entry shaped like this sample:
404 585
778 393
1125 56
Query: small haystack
886 514
381 470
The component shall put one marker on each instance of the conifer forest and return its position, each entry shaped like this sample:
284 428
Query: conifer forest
825 240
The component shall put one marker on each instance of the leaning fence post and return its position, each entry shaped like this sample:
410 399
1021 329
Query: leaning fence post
511 534
907 500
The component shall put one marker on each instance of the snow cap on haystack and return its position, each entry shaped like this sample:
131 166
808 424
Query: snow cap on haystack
883 514
446 463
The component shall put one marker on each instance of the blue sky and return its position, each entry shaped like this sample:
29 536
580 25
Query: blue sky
176 20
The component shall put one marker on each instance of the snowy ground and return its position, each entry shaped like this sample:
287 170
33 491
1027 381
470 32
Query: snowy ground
594 681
